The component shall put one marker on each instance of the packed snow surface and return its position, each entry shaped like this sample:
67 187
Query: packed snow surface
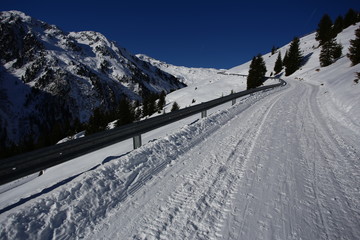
279 164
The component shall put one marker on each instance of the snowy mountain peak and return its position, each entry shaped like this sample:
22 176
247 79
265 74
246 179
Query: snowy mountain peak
187 75
14 16
59 77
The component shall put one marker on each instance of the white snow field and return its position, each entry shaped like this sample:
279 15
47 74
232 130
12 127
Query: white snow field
280 164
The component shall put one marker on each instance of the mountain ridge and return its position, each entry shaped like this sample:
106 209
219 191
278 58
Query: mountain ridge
49 76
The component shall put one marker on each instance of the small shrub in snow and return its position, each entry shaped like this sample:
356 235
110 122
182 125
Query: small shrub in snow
175 107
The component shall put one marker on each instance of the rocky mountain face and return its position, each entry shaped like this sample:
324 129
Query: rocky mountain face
51 79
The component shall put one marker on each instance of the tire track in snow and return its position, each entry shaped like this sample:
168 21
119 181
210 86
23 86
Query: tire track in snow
335 209
290 196
198 207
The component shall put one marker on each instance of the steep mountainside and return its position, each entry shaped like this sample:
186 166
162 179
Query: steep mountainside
50 77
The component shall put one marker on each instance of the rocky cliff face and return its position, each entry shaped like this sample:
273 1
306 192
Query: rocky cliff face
50 77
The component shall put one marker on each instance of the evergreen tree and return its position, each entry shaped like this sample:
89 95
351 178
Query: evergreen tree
326 54
145 111
286 58
336 50
97 122
354 49
161 103
256 72
351 18
330 51
278 64
338 25
324 31
149 104
175 107
294 57
125 113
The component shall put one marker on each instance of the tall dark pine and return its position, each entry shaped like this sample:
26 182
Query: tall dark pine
338 25
286 58
125 113
354 49
97 122
161 103
294 57
278 64
324 31
256 72
326 54
351 18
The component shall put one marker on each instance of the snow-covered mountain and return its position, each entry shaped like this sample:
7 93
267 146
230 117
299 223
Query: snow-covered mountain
189 76
49 76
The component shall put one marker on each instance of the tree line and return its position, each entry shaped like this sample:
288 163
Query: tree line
331 50
128 112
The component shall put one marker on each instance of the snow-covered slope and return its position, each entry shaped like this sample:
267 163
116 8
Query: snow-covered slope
203 84
48 76
189 76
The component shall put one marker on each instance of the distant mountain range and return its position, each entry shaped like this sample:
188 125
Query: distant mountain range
50 77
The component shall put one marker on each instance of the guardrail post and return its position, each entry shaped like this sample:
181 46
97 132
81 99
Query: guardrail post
203 114
233 101
137 141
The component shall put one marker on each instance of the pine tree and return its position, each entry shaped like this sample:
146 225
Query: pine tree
97 122
161 103
326 54
354 49
294 57
149 104
125 113
286 58
324 31
351 18
330 51
337 51
256 72
152 105
278 64
175 107
338 26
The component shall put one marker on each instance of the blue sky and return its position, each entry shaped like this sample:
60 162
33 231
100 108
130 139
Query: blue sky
219 34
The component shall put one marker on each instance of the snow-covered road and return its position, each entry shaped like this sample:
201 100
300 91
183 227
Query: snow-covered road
274 166
275 171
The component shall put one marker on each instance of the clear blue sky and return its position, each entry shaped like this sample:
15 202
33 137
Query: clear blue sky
219 34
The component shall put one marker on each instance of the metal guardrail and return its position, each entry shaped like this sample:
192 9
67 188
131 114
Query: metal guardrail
28 163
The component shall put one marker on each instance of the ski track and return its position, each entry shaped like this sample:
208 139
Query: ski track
270 167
